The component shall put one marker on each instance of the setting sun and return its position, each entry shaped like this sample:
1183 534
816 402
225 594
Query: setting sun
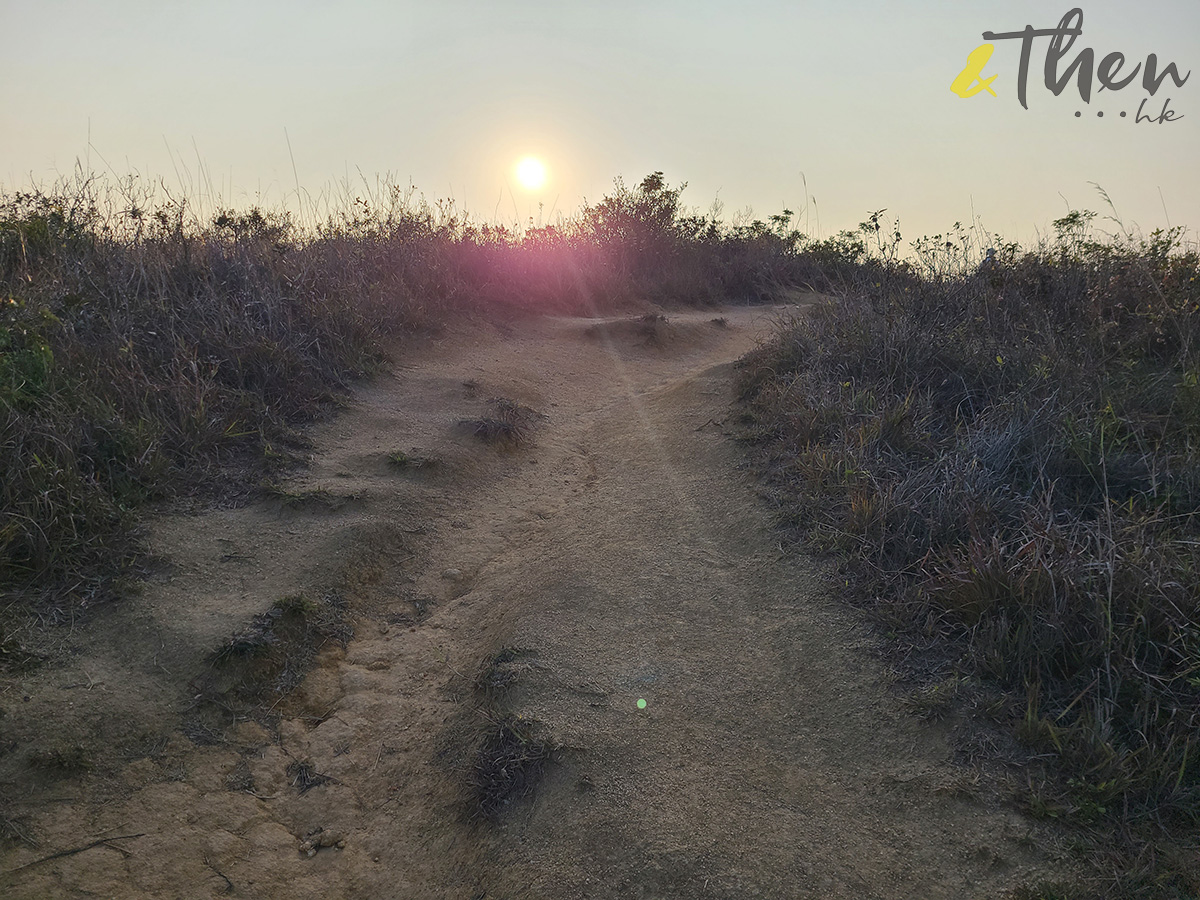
531 173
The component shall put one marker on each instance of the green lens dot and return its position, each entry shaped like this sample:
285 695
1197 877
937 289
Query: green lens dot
641 704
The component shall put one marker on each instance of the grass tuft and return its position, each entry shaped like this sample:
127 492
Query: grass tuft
305 777
508 765
501 671
411 461
267 659
510 425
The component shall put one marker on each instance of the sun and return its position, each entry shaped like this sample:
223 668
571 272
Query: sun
531 172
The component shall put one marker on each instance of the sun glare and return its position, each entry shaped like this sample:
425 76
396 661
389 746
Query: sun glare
531 173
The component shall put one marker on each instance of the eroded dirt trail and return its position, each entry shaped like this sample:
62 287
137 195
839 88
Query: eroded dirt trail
620 556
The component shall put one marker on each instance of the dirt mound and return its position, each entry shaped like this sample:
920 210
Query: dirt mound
656 331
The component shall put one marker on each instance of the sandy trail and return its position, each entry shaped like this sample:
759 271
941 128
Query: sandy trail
626 557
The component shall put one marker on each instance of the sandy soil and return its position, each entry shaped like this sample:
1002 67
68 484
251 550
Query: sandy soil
620 554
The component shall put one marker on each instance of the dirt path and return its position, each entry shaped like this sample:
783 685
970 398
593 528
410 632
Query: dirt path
619 556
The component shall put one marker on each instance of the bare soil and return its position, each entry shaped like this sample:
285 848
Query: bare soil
513 596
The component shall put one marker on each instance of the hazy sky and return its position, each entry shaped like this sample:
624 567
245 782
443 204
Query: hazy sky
739 100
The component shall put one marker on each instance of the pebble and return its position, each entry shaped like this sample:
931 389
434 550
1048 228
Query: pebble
322 838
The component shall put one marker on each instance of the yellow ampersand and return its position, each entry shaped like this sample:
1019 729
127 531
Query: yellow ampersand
970 81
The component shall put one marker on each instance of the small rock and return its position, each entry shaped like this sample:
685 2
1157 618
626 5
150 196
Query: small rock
311 844
319 838
453 574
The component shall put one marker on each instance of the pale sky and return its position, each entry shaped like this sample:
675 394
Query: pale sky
744 101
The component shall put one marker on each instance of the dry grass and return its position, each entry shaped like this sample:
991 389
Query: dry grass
511 424
16 831
508 765
253 669
502 671
510 753
305 777
1007 462
139 358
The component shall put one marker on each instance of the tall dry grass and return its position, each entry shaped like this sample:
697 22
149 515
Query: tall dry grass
1007 457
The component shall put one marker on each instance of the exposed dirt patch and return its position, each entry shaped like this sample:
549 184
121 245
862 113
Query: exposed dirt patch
510 606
